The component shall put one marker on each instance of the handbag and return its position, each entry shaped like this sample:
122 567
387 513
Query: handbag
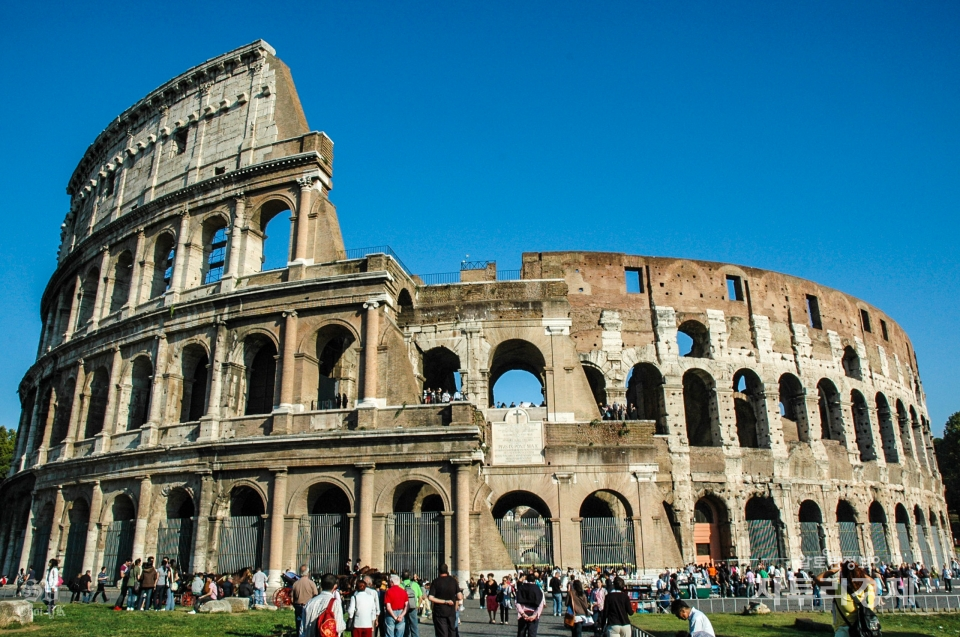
867 624
569 619
174 586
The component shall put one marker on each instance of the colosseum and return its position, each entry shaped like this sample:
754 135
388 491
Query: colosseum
186 401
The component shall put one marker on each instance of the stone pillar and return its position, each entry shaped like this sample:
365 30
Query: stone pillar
371 336
34 425
74 424
365 523
74 308
110 421
27 539
143 513
156 393
278 507
202 522
216 370
136 274
93 529
287 359
462 466
56 528
236 234
303 216
103 288
179 279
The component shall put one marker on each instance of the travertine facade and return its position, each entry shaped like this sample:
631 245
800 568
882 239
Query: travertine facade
183 400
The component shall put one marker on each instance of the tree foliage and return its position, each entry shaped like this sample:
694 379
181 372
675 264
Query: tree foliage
948 459
7 439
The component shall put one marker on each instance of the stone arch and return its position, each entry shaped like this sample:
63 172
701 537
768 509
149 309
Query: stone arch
141 384
605 503
78 517
122 508
98 388
387 499
122 279
812 535
404 307
246 499
876 513
270 214
711 529
194 370
597 382
88 296
699 339
523 519
303 499
917 436
906 435
888 435
700 409
765 529
336 350
831 412
516 354
793 409
645 392
414 496
260 358
862 428
61 423
750 408
179 504
847 521
440 364
213 232
521 503
164 256
810 512
846 512
851 363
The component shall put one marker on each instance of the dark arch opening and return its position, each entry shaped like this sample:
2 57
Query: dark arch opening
861 427
123 509
97 409
793 409
416 497
851 363
749 406
194 364
906 435
598 384
877 514
245 501
711 530
261 374
831 418
846 512
88 296
326 498
693 339
517 355
520 504
164 255
699 405
122 276
404 307
703 513
765 529
888 436
141 380
761 508
61 423
810 512
441 370
336 366
605 504
179 505
901 514
918 515
645 392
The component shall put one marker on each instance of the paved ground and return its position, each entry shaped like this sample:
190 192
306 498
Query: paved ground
476 623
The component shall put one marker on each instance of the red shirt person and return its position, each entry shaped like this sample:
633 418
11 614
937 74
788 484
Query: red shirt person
395 600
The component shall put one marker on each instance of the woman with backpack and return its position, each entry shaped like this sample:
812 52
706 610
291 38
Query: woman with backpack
854 602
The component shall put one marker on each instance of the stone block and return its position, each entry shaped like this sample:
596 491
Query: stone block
238 604
217 606
16 612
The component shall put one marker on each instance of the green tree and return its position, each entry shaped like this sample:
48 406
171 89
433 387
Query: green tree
8 438
948 460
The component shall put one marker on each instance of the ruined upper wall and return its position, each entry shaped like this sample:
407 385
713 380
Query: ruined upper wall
224 114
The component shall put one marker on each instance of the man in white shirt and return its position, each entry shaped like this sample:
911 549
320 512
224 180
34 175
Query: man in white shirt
699 625
259 587
316 606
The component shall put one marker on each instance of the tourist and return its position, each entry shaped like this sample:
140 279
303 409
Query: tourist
364 610
101 583
196 587
414 593
22 577
395 602
854 590
443 594
556 593
52 586
617 609
947 574
530 603
302 591
133 584
122 597
163 579
578 606
259 587
73 585
208 593
174 584
504 597
490 591
148 583
598 600
699 624
86 586
316 607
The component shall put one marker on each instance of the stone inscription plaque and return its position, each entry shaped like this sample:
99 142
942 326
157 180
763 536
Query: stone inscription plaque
517 443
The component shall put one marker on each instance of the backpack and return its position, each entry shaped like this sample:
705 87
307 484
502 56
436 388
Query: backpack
327 622
411 596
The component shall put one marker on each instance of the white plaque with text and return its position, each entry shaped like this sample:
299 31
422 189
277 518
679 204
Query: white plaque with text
518 443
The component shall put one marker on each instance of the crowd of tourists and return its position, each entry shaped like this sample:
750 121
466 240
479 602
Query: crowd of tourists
437 396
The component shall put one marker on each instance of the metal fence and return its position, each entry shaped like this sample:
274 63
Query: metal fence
924 544
323 542
442 278
765 541
118 547
606 542
175 540
807 603
76 544
359 253
811 539
529 541
38 550
241 543
508 275
878 534
849 540
903 537
414 541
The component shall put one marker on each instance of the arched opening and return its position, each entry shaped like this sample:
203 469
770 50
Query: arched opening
275 222
61 422
88 297
79 517
175 537
923 536
46 416
906 435
793 409
241 536
693 340
404 307
41 540
851 363
917 434
645 395
523 520
517 373
598 385
324 534
118 546
903 533
413 533
711 530
878 532
260 354
441 375
812 536
193 395
750 408
606 531
337 363
861 426
674 523
141 379
888 434
765 530
214 249
97 407
164 255
122 276
700 409
831 412
849 539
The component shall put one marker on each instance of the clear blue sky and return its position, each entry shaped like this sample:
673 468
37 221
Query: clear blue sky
817 139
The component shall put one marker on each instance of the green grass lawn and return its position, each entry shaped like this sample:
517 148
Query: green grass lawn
780 624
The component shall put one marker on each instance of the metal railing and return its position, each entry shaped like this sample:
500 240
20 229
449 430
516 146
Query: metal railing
475 265
359 253
443 278
508 275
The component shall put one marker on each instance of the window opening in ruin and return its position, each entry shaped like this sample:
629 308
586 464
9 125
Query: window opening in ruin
606 531
193 396
598 385
404 307
888 435
634 280
64 405
793 411
765 530
848 531
517 374
734 288
813 312
645 395
164 253
883 330
865 320
831 417
904 422
693 339
518 388
219 170
88 297
180 140
109 184
97 408
749 405
337 362
261 377
861 426
700 410
140 380
523 520
122 276
217 255
812 536
851 363
276 250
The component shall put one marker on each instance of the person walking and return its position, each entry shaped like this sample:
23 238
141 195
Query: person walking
122 597
259 587
22 578
947 573
163 583
443 595
148 584
364 610
617 610
316 607
302 591
414 593
52 586
490 591
556 593
101 584
698 623
530 603
578 606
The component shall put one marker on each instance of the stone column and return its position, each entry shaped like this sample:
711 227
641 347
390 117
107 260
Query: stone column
110 421
93 529
27 539
56 527
463 466
371 335
216 370
103 288
202 522
74 308
179 278
303 215
278 507
143 513
287 359
34 425
235 239
156 393
365 523
74 424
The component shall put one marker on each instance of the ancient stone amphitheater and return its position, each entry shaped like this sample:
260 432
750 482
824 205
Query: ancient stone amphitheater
187 402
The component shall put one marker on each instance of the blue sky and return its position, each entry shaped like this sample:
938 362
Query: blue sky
817 139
